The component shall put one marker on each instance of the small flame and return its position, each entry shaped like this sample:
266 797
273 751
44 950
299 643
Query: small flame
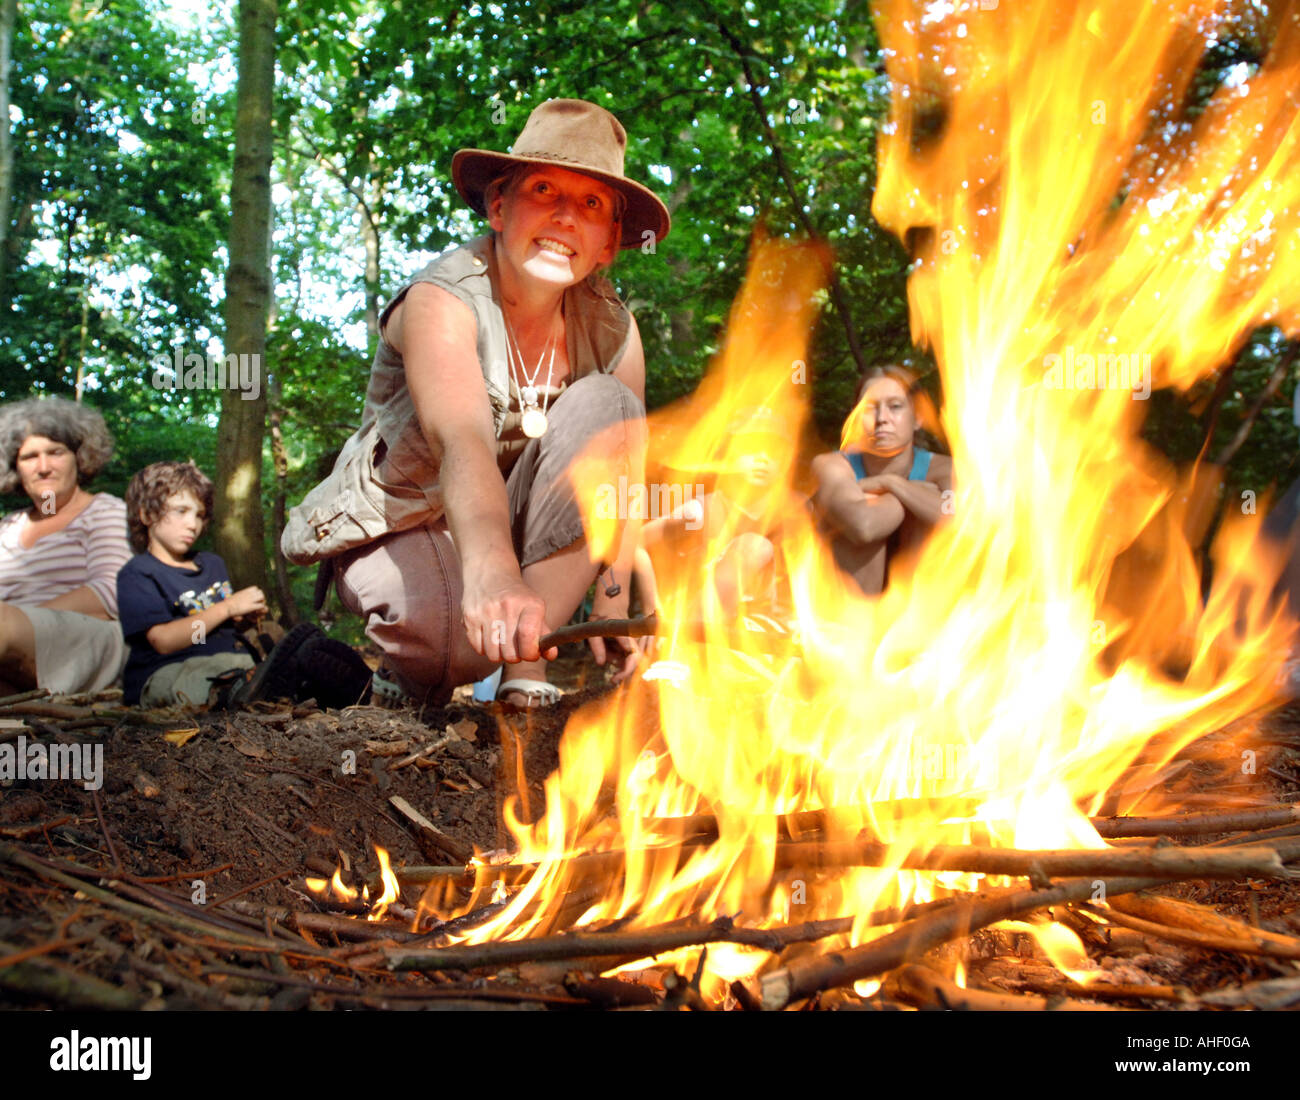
391 890
341 889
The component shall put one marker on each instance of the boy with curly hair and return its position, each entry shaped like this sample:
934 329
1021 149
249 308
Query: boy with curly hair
177 607
178 613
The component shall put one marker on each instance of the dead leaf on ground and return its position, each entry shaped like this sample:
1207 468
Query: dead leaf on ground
247 748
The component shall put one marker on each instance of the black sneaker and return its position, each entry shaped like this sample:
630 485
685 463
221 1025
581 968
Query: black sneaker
280 676
333 673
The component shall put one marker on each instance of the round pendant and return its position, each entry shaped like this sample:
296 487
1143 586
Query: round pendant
534 423
528 395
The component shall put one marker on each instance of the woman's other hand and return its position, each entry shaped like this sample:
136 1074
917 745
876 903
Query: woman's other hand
625 651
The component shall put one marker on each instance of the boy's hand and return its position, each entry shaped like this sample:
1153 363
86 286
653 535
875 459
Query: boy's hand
247 601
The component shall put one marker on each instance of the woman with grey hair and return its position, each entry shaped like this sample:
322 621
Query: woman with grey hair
59 558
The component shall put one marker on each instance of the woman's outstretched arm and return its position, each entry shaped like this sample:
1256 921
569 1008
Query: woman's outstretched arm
436 336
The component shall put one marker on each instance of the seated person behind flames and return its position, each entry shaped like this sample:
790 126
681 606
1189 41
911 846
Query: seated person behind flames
740 523
880 493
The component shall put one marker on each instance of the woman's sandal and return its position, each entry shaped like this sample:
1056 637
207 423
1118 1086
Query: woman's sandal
538 692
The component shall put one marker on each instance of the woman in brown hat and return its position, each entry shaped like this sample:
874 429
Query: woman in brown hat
449 515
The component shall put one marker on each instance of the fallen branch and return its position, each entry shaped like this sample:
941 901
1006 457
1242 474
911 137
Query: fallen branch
24 696
1256 945
41 869
1197 824
1201 921
427 830
924 987
61 985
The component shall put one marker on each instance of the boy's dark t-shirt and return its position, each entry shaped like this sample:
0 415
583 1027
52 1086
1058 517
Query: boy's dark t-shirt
150 592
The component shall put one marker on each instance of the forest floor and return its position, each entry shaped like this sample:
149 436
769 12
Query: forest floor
273 794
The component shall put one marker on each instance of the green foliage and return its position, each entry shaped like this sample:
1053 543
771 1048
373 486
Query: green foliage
741 116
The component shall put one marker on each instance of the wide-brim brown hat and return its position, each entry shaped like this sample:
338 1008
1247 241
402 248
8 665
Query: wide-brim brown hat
579 136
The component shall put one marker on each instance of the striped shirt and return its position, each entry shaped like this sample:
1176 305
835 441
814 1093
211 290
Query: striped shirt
87 552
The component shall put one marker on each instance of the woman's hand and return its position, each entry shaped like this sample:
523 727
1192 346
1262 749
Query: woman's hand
505 620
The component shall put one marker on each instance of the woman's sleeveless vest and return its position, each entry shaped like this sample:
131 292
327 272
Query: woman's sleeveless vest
385 479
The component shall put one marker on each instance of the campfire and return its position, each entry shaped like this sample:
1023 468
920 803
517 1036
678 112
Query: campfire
809 805
1074 248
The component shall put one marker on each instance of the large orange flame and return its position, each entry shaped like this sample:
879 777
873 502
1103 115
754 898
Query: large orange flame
1075 248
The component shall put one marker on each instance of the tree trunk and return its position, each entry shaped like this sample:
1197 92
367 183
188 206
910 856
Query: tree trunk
8 11
239 533
280 461
370 235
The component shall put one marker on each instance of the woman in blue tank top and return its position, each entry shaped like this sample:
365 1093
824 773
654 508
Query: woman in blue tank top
880 493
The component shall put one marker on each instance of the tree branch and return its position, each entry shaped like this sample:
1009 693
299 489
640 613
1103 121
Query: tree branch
791 186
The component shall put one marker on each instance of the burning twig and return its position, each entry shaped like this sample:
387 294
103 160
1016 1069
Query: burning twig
806 976
642 943
1044 864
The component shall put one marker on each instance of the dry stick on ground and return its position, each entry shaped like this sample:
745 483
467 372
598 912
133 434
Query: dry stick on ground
923 986
1197 824
41 869
1062 986
24 696
282 873
427 830
108 839
1202 919
180 875
1256 945
806 976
